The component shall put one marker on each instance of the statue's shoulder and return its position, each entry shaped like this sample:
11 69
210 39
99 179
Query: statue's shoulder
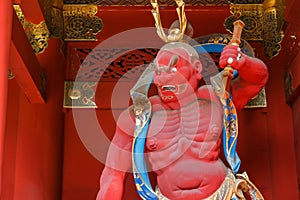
155 100
156 103
206 92
126 121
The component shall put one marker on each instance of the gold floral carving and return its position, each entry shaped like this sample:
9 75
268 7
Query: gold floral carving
37 34
19 13
251 15
80 22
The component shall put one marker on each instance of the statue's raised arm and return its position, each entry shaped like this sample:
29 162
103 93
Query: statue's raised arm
252 74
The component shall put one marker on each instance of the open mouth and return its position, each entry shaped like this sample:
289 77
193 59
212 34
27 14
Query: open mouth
171 88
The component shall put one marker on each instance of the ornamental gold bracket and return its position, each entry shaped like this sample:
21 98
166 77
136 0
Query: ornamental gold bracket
264 23
37 34
79 94
80 22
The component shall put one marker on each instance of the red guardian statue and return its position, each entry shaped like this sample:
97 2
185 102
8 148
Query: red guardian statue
183 139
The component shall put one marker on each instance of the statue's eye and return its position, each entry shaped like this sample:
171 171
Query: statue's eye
174 69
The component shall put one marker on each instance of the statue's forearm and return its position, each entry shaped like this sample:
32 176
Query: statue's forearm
253 75
253 71
111 184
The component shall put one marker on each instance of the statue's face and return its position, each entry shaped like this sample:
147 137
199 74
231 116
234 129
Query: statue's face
175 75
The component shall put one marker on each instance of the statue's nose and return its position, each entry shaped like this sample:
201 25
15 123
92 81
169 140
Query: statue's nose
165 77
167 68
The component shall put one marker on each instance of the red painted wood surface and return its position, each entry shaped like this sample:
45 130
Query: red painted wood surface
294 69
5 38
296 125
11 137
34 136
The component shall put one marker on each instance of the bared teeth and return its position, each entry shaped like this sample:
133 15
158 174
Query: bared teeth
168 88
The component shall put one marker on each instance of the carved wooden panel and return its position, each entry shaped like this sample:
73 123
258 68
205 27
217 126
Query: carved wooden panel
92 64
109 64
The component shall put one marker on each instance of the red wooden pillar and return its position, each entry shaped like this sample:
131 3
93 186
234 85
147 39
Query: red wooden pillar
6 10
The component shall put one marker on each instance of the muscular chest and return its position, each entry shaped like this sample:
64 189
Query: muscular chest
193 121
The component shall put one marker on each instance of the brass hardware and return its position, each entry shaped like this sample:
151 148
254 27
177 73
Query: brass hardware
79 94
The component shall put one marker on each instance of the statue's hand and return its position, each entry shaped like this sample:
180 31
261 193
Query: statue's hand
232 55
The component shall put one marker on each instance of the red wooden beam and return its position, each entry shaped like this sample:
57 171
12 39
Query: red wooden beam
25 66
5 37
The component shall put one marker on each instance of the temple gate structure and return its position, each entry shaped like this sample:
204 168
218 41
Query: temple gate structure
59 108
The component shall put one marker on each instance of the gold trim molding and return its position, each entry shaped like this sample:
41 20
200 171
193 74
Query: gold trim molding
37 34
264 22
80 22
161 2
146 2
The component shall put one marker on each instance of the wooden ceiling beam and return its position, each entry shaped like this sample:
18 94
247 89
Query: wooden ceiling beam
32 11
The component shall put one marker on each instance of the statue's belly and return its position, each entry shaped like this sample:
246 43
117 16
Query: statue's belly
191 179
